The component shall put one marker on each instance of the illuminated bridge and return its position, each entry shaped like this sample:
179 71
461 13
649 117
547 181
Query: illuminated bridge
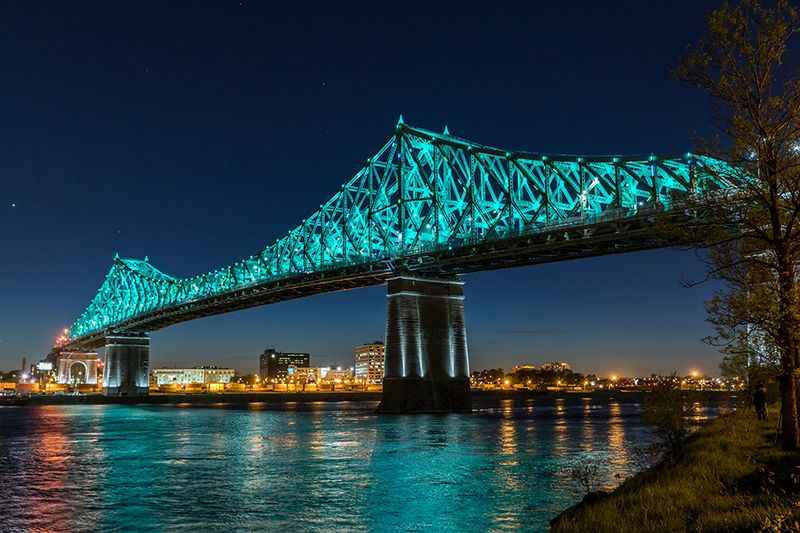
424 208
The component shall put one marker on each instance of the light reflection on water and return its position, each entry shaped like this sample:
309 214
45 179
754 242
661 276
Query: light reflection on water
309 468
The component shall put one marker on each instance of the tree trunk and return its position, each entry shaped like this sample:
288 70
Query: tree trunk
787 335
797 403
789 409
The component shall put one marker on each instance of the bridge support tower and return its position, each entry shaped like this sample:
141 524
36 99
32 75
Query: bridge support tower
127 365
426 363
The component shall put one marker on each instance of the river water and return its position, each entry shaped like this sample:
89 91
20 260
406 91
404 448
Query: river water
313 467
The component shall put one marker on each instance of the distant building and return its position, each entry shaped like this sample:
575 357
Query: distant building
336 375
557 366
192 376
303 374
368 359
525 367
275 365
45 372
319 375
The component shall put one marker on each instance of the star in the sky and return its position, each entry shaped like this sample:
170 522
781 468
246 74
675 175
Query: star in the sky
13 204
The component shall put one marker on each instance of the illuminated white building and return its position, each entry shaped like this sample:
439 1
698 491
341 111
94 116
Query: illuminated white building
192 376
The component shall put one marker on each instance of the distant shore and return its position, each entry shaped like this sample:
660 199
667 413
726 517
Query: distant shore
193 399
478 396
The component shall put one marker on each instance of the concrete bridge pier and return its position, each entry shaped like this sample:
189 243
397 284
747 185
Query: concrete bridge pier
127 365
426 364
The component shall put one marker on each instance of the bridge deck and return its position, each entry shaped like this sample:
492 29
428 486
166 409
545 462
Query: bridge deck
604 238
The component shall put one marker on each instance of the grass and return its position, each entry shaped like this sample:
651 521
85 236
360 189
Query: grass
730 477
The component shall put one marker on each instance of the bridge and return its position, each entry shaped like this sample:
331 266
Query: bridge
423 209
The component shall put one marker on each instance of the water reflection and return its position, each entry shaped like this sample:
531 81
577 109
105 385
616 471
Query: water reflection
586 441
508 436
560 437
52 451
315 467
616 435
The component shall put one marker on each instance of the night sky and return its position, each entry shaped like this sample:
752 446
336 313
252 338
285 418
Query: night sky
197 133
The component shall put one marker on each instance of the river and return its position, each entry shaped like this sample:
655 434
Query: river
312 467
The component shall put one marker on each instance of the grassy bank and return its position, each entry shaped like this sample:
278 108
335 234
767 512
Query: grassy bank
731 477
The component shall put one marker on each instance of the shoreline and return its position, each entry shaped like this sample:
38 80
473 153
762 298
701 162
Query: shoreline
310 397
730 476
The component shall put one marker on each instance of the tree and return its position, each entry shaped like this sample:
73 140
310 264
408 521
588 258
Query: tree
747 358
752 233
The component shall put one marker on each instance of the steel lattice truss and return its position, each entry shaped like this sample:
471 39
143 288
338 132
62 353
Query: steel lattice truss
421 192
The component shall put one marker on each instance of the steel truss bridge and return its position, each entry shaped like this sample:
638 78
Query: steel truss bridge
429 204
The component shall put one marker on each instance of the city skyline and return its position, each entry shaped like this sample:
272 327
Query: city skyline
197 208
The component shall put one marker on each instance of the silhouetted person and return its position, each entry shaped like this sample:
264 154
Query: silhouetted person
760 402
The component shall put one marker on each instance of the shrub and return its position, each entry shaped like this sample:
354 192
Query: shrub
669 411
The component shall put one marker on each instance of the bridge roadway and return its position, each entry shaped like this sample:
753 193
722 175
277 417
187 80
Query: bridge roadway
424 209
611 236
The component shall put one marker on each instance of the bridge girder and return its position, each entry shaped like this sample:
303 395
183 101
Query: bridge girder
427 202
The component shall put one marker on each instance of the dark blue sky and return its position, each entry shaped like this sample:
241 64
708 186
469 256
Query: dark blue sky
198 132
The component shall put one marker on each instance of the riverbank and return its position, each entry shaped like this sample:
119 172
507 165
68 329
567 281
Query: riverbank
731 477
478 397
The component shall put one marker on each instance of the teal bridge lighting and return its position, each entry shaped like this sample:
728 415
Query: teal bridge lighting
426 202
